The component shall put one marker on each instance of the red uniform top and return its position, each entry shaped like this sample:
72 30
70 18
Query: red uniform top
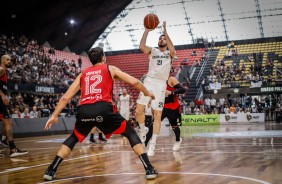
3 83
171 102
96 84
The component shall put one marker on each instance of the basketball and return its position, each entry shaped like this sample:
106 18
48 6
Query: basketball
151 21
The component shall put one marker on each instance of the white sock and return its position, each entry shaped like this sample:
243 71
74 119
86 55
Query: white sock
142 126
154 138
3 137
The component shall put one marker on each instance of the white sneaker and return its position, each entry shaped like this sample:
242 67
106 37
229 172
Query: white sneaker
142 135
177 144
151 151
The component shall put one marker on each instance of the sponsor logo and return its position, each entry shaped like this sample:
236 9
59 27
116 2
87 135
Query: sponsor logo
228 117
98 97
249 117
99 119
88 119
202 120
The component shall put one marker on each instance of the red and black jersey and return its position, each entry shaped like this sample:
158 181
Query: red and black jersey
96 85
4 83
171 102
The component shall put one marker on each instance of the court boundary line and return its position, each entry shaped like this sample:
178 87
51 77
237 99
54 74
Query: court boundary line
183 173
39 165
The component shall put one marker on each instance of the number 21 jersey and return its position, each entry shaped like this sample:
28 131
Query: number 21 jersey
159 64
96 85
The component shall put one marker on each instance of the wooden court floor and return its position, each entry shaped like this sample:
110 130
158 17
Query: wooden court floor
201 160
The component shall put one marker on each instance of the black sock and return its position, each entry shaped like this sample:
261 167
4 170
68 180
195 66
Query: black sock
12 145
177 133
145 160
149 135
100 136
92 136
56 162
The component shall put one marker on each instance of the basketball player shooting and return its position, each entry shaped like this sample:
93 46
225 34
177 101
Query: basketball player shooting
160 61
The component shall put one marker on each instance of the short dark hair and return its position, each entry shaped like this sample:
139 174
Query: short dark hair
95 55
161 36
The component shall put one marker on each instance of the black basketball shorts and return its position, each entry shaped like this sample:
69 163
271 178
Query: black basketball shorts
103 115
173 116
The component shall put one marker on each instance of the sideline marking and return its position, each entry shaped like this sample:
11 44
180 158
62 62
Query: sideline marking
183 173
22 168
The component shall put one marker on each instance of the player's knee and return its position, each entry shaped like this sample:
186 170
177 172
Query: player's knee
131 135
71 141
157 115
174 127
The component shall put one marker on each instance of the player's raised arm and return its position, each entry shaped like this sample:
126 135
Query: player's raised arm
169 42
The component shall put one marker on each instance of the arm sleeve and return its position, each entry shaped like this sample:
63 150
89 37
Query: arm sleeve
179 89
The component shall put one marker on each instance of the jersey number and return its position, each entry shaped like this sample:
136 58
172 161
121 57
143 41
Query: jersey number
91 82
159 62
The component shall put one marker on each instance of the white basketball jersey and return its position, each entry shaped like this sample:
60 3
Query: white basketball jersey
159 64
124 102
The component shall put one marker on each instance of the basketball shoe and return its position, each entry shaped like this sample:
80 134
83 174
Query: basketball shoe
17 152
49 174
151 173
177 144
4 143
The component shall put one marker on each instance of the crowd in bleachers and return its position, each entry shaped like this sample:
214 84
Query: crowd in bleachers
31 64
235 105
31 105
231 71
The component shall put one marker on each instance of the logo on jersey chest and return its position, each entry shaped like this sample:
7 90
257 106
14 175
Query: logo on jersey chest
160 57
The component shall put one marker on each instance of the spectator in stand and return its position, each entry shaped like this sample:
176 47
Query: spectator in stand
240 111
207 103
45 111
254 109
194 53
232 109
221 101
226 109
212 103
20 104
25 113
188 110
198 102
34 113
197 110
16 113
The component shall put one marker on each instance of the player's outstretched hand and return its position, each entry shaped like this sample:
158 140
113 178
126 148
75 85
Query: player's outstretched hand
51 121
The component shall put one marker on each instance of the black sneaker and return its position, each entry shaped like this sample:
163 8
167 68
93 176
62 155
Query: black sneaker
4 143
151 173
92 140
50 174
17 152
102 139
